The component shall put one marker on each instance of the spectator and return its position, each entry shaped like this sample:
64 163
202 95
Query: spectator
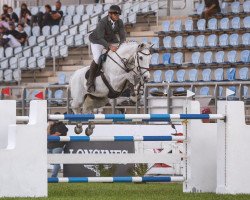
47 19
57 14
211 8
25 15
56 129
3 22
13 15
3 41
11 35
5 10
22 35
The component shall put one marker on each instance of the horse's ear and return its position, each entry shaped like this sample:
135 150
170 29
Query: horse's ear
141 46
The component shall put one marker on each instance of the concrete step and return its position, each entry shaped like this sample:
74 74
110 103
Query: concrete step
33 80
37 74
143 34
70 68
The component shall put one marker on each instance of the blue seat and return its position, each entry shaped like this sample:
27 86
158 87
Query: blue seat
224 23
235 23
201 24
178 58
200 41
208 57
157 76
246 22
220 92
245 56
61 78
166 26
196 58
212 24
58 95
206 75
190 41
154 60
223 40
177 25
166 58
218 74
219 56
200 8
235 7
204 91
231 72
246 6
155 42
245 92
169 76
178 42
231 56
246 39
167 42
212 40
193 75
232 96
234 39
180 75
189 25
243 73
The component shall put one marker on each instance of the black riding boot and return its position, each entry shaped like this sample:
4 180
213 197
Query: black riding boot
91 79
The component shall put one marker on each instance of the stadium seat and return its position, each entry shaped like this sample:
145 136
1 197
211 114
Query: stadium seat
177 26
18 52
243 73
212 24
1 75
234 40
77 19
235 23
32 40
61 78
58 95
189 25
144 7
27 29
90 9
73 30
69 40
246 6
106 7
85 18
36 51
54 51
166 26
36 31
78 40
200 41
196 58
167 42
154 7
206 75
46 51
204 91
208 57
26 52
71 10
154 60
231 56
132 18
17 75
157 76
231 72
4 63
13 63
1 52
246 22
8 75
50 41
98 9
55 29
64 51
169 76
245 56
201 24
41 62
246 39
67 20
235 7
224 23
223 40
190 42
46 31
80 9
60 40
83 28
32 63
193 75
41 40
155 42
232 96
180 75
218 74
224 7
178 58
219 56
8 52
166 58
178 41
23 63
212 41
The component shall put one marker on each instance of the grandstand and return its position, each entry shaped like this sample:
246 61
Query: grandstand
189 52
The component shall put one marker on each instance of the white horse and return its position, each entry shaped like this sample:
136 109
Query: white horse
128 65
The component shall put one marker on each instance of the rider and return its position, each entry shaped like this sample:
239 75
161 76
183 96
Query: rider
104 37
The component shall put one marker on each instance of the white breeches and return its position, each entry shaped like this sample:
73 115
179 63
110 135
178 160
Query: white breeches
96 51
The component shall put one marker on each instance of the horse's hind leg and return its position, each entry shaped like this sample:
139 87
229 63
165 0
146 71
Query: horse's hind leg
76 107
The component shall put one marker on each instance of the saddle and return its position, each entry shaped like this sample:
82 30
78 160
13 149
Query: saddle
101 60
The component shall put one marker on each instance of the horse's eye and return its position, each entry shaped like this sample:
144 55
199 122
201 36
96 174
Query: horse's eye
141 58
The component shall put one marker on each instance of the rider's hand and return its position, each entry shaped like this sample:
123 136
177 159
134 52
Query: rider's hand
113 48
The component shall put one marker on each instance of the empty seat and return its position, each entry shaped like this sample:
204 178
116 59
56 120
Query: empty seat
235 7
189 25
246 39
245 56
78 40
245 92
212 40
83 28
246 6
180 75
54 51
166 26
46 51
200 41
157 76
231 56
41 61
224 23
4 63
223 40
18 51
67 20
77 19
154 59
166 58
36 51
46 31
73 30
208 57
193 75
235 23
36 31
155 42
1 75
64 30
13 63
190 41
80 9
51 41
246 22
201 24
69 40
243 73
8 75
32 40
85 18
200 8
32 63
60 40
178 58
144 7
196 58
23 63
58 96
98 9
64 51
132 18
178 42
234 39
169 76
167 42
41 41
206 75
71 10
61 78
218 74
219 56
212 24
231 74
204 91
8 52
1 52
177 26
27 30
55 29
17 75
90 9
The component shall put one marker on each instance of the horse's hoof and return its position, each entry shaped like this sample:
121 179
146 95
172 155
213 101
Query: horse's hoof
89 131
77 130
91 126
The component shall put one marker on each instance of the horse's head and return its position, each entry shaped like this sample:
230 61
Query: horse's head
142 61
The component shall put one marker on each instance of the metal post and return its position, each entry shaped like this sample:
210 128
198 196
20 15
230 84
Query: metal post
54 60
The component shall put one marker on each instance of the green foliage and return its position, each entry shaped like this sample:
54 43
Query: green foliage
106 171
138 170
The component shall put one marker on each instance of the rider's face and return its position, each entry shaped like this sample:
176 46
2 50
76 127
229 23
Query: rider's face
114 16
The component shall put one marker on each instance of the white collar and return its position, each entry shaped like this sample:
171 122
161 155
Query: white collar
111 20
